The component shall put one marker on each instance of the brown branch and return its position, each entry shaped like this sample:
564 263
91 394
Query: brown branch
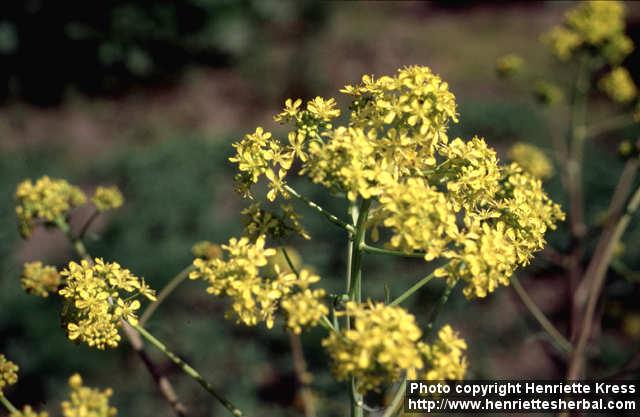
303 376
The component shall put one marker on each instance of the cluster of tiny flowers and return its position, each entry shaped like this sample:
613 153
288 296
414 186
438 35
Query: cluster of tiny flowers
107 198
99 296
39 279
448 199
509 65
276 225
45 200
547 93
532 160
618 85
592 26
257 289
8 373
384 343
87 402
446 357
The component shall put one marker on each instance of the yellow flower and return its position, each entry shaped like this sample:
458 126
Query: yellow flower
256 287
99 296
40 280
509 65
8 373
46 200
304 308
87 402
618 85
563 42
28 411
322 109
547 93
107 198
445 358
532 159
291 110
383 343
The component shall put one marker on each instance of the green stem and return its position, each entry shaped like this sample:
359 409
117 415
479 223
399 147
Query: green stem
397 399
288 259
7 404
164 293
415 287
332 217
382 251
541 318
187 369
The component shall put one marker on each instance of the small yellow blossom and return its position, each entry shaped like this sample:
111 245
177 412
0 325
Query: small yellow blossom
383 343
445 358
8 373
618 85
39 279
99 296
28 411
46 200
256 292
206 250
563 42
304 309
322 109
547 93
532 159
87 402
107 198
509 65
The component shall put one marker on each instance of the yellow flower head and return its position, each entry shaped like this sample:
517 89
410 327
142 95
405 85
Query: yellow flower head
99 296
532 159
255 288
39 279
547 93
8 373
445 358
46 200
383 343
509 65
87 402
28 411
592 26
304 309
206 250
107 198
618 85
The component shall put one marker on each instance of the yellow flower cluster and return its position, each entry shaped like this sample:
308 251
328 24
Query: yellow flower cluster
448 199
276 225
28 411
384 343
39 279
46 200
256 292
446 357
592 26
8 373
107 198
532 160
87 402
618 85
509 65
547 93
99 296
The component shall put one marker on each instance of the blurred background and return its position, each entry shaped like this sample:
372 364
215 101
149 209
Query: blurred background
149 95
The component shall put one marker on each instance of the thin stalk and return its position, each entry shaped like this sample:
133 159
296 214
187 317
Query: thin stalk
609 125
88 223
596 273
382 251
164 293
288 259
397 399
332 217
415 287
7 404
187 369
541 318
303 375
